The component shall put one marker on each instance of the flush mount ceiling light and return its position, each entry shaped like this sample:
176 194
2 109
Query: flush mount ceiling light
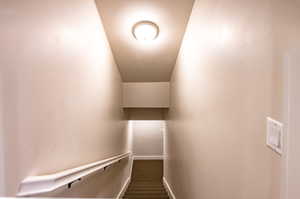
145 31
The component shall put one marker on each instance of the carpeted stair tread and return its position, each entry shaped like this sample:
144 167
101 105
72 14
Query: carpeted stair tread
146 181
146 196
146 191
145 188
146 185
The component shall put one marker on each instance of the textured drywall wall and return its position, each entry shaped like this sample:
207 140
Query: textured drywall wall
62 93
221 93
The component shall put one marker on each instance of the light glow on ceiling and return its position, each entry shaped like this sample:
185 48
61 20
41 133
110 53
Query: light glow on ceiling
145 31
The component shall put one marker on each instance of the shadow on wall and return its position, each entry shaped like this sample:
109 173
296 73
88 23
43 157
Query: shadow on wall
146 127
145 113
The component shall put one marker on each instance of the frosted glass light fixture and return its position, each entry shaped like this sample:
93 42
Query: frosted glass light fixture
145 31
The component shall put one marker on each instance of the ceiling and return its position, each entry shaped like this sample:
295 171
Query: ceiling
152 61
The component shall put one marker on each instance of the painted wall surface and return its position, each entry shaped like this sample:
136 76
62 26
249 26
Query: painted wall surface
146 95
61 94
147 137
146 125
221 93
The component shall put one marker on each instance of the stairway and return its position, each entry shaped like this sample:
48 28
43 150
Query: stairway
146 181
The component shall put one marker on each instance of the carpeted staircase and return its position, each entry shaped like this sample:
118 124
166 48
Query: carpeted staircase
146 181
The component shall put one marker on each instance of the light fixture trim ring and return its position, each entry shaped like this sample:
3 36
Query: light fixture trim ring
147 23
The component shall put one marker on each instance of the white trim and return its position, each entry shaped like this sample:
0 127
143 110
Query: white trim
286 119
42 184
2 148
2 160
290 187
124 188
127 182
149 157
168 188
131 165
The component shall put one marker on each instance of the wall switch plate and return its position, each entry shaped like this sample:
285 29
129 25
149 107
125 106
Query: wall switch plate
275 135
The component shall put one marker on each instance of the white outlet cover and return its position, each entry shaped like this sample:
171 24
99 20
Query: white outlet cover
275 135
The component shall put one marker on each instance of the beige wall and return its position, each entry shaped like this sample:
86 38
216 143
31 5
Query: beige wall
61 94
221 93
147 137
146 129
146 95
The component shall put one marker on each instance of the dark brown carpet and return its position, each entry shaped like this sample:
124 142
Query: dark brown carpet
146 181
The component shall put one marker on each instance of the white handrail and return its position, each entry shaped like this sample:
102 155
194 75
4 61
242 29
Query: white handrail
42 184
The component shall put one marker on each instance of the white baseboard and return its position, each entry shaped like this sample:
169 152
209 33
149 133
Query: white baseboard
127 182
124 187
149 157
168 188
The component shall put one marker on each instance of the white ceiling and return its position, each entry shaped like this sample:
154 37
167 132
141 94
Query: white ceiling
153 61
